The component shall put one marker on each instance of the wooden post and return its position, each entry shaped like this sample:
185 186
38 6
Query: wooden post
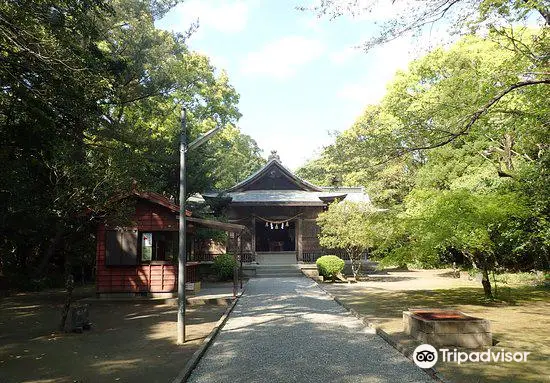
235 275
253 239
299 240
241 260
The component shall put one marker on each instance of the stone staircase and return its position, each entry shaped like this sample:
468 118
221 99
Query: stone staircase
274 271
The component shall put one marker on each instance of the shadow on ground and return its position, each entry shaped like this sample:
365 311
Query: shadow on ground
128 342
280 334
519 323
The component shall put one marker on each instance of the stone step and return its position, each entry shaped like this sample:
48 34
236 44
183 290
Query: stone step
278 267
278 270
278 275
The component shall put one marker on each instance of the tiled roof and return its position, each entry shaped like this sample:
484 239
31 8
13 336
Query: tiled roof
274 163
294 197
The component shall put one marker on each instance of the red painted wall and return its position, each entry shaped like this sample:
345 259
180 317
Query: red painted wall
155 277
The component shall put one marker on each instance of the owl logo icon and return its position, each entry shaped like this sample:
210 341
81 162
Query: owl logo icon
425 356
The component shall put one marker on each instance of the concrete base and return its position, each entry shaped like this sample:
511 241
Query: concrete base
467 333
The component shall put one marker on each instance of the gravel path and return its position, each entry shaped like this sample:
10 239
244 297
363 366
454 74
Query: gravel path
289 330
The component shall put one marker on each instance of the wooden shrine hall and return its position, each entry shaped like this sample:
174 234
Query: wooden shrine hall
280 210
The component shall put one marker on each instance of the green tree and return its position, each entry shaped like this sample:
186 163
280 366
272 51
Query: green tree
458 16
359 156
410 152
465 17
91 94
352 227
458 219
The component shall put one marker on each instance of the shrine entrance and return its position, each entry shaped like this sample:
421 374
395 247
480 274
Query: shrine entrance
276 237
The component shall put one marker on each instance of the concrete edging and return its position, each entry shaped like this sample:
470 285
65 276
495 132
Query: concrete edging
197 355
431 372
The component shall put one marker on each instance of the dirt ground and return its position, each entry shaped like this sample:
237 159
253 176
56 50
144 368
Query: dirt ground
128 342
519 321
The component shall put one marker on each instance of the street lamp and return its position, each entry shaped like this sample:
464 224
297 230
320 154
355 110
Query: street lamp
182 254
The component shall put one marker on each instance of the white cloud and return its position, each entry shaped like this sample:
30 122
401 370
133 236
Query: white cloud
386 61
218 61
362 92
284 57
223 16
343 55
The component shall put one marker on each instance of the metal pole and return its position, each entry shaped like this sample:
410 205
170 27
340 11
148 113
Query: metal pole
182 254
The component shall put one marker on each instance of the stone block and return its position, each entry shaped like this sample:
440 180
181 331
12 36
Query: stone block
441 339
478 340
448 327
426 326
476 326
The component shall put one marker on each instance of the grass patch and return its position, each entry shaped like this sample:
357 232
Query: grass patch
519 320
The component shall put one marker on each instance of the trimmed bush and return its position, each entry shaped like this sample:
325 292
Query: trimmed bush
330 265
223 266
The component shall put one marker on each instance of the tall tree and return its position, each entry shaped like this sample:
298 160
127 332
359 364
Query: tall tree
480 194
91 93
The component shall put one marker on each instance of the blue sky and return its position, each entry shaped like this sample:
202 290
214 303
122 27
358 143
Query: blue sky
298 76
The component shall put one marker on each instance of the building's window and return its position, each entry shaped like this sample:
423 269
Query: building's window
158 246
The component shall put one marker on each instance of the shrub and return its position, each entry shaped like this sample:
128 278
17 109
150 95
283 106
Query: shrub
223 266
330 265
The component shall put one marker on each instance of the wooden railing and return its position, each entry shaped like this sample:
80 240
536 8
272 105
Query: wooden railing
202 257
209 257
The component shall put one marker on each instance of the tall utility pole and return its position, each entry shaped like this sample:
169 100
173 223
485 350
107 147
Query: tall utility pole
182 254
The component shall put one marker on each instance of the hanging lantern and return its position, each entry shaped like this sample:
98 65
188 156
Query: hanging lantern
286 223
282 226
276 226
271 224
266 224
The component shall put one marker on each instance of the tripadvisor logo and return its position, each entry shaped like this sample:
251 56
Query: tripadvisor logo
483 356
426 356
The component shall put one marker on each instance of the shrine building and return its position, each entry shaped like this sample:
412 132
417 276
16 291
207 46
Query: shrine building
280 210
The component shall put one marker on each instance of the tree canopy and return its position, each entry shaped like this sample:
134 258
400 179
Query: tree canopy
91 99
477 194
352 227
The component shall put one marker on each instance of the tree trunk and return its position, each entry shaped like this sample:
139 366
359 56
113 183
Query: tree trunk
68 299
402 266
50 251
486 283
69 285
507 145
477 262
355 263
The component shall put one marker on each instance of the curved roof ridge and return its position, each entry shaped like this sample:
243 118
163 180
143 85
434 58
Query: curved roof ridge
307 186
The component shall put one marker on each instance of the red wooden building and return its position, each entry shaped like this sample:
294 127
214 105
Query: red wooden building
142 258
